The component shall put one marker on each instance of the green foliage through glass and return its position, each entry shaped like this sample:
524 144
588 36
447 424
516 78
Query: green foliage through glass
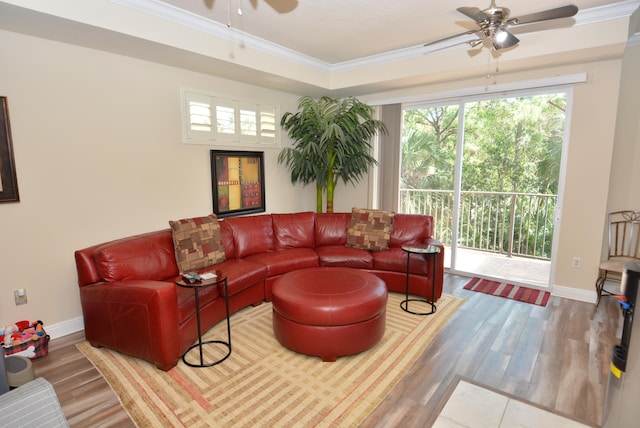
510 170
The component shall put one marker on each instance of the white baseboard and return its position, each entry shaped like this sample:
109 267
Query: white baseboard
65 327
575 294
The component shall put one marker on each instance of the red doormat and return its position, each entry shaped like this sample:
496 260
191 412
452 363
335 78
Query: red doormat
509 291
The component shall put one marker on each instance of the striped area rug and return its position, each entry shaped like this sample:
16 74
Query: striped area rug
263 384
509 291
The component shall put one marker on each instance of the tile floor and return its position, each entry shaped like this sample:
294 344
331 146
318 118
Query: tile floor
471 406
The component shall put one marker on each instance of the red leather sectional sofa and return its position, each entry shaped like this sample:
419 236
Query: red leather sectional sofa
130 302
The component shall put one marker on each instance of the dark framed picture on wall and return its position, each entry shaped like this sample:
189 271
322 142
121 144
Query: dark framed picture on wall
8 178
237 181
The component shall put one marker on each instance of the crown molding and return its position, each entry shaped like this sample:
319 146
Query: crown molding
604 13
587 16
189 19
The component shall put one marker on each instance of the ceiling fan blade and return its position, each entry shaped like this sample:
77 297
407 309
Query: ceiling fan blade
466 33
504 40
473 13
560 12
282 6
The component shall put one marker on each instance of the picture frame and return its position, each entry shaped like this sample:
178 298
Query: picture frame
8 177
237 182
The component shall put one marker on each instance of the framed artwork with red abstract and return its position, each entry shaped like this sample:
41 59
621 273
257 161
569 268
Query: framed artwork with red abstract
237 181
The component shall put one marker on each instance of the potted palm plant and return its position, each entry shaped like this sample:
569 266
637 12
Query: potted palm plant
331 141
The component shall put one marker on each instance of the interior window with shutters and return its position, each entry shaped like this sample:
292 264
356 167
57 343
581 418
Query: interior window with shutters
200 116
225 120
248 124
211 120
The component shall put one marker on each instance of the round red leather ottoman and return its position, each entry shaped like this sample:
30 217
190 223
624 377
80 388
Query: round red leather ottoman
329 312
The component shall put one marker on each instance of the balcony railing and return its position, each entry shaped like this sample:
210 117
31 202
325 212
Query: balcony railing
515 224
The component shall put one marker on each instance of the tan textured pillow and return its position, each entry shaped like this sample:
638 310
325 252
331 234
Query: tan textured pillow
370 229
197 243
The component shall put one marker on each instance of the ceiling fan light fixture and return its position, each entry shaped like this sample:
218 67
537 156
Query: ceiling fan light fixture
502 39
493 23
500 35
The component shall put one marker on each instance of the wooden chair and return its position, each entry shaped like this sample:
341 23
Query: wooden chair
624 246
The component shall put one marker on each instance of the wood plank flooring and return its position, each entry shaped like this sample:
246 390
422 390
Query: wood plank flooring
556 356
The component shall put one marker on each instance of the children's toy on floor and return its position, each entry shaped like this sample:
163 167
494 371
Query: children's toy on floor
25 339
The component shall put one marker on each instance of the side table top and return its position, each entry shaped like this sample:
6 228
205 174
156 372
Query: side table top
421 249
220 277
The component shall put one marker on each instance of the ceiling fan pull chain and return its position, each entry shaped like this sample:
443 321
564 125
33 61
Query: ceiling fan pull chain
239 10
488 76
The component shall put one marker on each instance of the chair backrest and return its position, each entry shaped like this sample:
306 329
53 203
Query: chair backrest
624 234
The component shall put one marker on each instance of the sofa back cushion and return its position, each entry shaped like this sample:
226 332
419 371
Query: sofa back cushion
294 230
331 228
227 239
410 229
251 235
197 243
147 256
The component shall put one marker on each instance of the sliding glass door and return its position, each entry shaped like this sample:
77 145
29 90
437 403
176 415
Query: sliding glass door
488 171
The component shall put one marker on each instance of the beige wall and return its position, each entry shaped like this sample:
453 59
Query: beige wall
97 144
584 202
625 177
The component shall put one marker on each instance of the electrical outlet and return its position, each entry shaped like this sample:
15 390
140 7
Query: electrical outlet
576 262
20 296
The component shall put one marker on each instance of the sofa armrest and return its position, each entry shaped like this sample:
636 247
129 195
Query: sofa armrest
33 404
135 317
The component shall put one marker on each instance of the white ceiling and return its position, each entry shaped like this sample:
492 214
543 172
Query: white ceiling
317 47
335 31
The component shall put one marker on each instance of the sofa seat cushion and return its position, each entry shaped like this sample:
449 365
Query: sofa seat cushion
395 260
341 256
282 261
241 274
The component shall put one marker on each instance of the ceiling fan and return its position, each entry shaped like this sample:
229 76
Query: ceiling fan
493 23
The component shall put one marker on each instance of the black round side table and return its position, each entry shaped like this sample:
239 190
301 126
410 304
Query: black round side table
220 278
426 250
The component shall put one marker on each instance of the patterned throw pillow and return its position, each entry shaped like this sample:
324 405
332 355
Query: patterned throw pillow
370 229
197 243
